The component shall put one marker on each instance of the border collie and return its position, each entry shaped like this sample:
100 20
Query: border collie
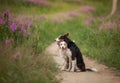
69 49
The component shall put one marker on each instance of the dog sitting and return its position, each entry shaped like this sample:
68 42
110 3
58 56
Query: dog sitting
66 55
75 56
69 49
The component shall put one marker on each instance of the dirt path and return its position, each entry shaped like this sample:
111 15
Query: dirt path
104 74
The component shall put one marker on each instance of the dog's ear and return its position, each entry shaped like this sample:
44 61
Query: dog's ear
58 42
66 35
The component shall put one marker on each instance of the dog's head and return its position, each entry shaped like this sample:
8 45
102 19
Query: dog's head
64 38
62 45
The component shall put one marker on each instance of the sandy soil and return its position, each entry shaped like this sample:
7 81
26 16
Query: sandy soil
104 74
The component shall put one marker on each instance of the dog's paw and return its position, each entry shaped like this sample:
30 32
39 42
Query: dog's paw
62 69
73 70
68 70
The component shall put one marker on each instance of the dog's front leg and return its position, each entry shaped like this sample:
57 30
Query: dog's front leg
70 60
73 65
64 64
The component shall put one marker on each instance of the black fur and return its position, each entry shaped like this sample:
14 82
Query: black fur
75 52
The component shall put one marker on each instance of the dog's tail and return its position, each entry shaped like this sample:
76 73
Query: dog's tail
92 69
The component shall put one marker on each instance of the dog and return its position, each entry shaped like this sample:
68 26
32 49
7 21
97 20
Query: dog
65 54
69 49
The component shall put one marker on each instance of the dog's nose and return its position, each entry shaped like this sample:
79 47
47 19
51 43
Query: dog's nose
63 48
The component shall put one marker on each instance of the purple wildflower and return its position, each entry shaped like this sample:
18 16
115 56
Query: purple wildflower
2 22
1 16
41 18
118 24
29 24
19 23
6 15
16 55
11 20
7 11
23 30
73 14
89 21
29 33
7 41
65 15
40 2
87 9
13 27
57 20
102 19
111 25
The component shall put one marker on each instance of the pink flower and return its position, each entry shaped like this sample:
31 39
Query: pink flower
2 22
11 20
40 2
102 19
29 33
7 41
16 55
13 27
23 30
1 16
6 14
29 24
41 18
87 9
89 21
73 14
7 11
111 25
57 20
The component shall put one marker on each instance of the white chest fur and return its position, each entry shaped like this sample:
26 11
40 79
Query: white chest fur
65 53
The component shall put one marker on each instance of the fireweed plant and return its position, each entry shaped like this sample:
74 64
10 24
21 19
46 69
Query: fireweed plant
21 60
12 30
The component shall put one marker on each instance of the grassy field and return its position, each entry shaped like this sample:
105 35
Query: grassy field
23 42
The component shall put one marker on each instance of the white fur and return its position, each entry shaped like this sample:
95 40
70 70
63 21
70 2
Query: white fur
94 69
64 53
73 65
57 39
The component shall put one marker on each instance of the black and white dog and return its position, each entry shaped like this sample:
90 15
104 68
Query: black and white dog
68 49
66 54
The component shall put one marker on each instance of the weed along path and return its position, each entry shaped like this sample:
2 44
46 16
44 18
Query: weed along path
104 74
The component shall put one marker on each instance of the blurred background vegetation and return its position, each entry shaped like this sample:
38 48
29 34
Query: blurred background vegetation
27 27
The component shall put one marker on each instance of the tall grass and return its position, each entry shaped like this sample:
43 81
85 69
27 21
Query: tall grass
21 58
24 65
